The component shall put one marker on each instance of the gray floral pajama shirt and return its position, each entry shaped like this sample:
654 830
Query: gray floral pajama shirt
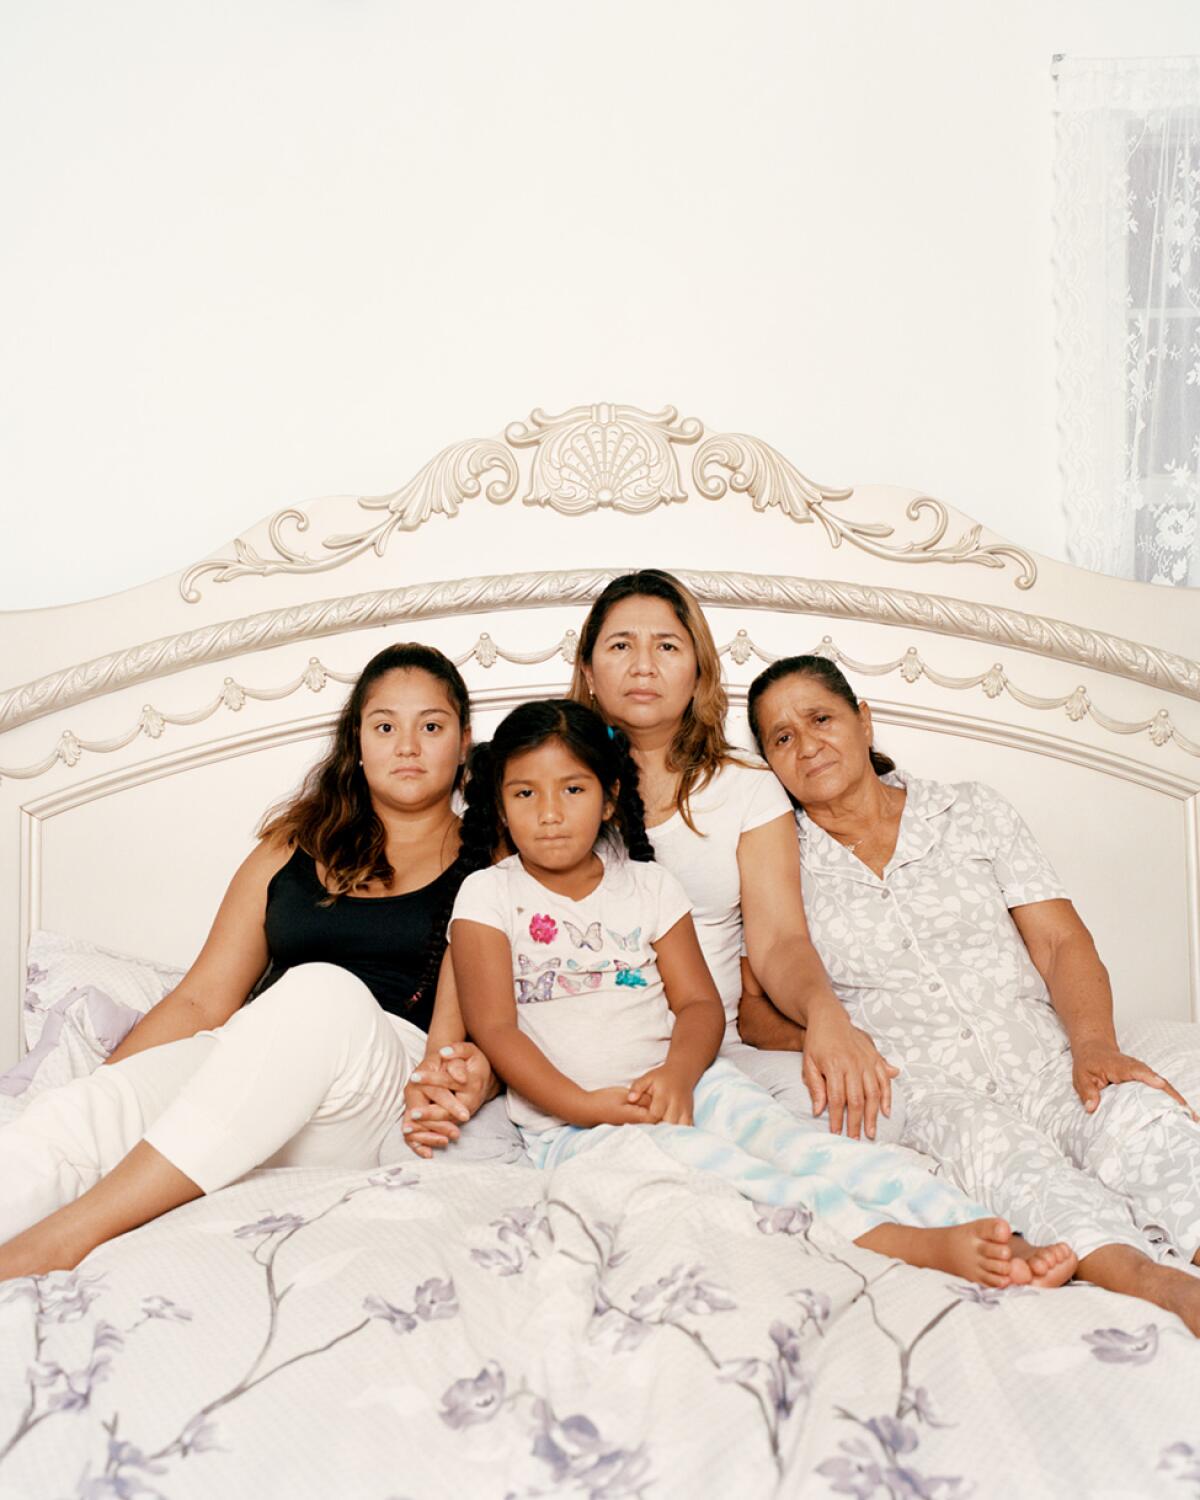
929 962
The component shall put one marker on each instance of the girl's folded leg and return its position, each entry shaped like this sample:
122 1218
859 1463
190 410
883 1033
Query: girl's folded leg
884 1182
879 1197
747 1138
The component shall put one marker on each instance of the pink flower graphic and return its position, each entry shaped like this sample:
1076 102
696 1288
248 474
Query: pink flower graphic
542 929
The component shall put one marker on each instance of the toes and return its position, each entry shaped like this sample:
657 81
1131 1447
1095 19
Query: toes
1020 1273
998 1231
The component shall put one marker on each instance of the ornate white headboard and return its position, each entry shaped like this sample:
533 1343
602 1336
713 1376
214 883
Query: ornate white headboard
142 735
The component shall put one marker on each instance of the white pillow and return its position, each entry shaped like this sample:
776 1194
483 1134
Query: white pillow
80 1001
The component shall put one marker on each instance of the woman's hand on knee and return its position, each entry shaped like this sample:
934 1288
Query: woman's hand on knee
1094 1065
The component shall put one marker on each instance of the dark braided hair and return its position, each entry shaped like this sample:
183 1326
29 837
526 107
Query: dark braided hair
466 862
824 671
582 732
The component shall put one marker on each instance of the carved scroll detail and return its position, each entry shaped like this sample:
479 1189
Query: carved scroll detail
610 456
1039 634
234 695
440 488
756 469
911 666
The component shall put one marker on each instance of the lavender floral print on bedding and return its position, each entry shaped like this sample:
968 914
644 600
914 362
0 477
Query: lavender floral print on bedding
614 1328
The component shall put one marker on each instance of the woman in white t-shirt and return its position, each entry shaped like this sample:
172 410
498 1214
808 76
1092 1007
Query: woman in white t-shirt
723 826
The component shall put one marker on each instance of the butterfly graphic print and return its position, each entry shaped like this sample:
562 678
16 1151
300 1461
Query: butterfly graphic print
536 981
575 984
584 938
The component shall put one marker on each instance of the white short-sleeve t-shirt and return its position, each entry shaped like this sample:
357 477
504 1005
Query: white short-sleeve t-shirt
585 973
737 799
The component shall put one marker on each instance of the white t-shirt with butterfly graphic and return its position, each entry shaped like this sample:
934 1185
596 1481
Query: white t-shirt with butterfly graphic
584 974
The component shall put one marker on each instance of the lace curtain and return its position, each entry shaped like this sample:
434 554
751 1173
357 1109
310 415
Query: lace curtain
1127 286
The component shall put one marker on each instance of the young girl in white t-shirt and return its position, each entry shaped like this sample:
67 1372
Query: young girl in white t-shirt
580 977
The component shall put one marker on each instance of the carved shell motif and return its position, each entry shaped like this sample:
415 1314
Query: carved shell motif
604 455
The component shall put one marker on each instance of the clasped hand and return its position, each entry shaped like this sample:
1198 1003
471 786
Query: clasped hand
443 1093
845 1071
660 1097
1097 1064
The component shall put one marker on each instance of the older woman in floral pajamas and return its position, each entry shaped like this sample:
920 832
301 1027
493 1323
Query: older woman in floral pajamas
952 943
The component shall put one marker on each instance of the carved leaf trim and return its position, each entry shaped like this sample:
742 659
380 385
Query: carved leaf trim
605 455
447 480
993 682
234 695
941 614
890 606
758 470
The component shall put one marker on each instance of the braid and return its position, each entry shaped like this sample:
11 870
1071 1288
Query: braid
478 837
435 944
630 814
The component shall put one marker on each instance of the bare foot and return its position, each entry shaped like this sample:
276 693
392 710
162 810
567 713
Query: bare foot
981 1251
141 1186
1042 1265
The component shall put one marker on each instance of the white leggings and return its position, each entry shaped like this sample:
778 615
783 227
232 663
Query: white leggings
311 1074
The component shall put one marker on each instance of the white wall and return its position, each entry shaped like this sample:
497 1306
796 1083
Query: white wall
262 250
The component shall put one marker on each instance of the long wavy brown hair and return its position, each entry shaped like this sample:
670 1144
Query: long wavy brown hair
699 748
332 817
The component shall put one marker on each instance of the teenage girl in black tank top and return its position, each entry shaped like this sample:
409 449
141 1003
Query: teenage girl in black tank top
360 870
381 939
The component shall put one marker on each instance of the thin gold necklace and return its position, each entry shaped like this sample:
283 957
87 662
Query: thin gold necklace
852 846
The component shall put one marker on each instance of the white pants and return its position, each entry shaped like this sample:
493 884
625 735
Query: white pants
310 1074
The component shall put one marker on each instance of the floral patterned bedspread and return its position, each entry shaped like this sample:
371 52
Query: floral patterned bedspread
614 1328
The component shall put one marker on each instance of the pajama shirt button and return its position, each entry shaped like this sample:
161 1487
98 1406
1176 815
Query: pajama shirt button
991 1085
883 895
966 1033
907 943
934 986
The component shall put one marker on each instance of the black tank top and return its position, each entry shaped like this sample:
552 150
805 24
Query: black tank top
381 939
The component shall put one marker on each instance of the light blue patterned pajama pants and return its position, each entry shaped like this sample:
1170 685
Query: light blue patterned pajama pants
746 1138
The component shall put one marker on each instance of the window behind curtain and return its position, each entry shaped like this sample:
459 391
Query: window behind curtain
1127 284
